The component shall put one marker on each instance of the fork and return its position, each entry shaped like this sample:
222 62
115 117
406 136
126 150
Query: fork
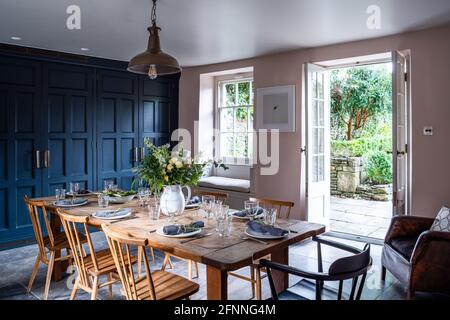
250 238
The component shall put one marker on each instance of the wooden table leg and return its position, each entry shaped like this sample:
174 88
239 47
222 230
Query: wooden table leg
216 282
59 267
281 279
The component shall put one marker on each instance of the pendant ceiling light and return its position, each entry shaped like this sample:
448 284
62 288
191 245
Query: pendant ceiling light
153 61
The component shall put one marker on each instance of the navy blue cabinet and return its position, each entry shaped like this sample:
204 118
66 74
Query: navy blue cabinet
62 122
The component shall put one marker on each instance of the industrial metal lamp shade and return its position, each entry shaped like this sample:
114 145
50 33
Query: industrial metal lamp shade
153 61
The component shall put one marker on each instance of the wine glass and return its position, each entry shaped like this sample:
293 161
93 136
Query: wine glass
60 194
74 188
107 185
251 207
141 196
207 203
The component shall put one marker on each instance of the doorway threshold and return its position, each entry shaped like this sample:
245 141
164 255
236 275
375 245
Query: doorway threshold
354 237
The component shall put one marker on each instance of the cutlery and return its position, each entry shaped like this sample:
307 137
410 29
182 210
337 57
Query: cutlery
253 239
293 231
198 237
152 231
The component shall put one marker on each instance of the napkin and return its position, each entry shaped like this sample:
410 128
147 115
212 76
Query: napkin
264 228
245 213
194 200
179 229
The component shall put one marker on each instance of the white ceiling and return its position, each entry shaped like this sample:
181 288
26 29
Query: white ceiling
201 32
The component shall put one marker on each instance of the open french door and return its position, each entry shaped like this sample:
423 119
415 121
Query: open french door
401 145
317 116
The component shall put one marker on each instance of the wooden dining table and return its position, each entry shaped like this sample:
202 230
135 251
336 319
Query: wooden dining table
219 254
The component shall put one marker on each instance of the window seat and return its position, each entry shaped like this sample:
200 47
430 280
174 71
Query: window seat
225 183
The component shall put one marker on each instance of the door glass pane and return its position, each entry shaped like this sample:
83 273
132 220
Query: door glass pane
226 120
318 162
226 145
241 120
320 113
244 93
320 81
230 94
318 140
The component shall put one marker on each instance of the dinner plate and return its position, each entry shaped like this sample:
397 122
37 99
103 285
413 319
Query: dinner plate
263 236
123 213
78 195
120 200
181 235
68 204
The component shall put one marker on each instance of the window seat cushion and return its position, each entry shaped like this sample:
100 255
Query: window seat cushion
224 183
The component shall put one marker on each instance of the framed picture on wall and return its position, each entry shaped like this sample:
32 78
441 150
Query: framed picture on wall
275 108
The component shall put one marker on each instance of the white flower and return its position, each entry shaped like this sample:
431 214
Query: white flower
169 167
173 160
178 164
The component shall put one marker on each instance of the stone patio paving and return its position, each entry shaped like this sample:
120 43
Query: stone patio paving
360 217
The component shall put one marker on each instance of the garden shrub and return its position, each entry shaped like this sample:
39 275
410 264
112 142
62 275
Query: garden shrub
379 167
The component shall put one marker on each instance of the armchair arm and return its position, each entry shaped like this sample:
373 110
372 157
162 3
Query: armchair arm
404 226
430 262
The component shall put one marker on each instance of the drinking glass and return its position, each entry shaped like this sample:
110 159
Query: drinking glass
251 207
141 196
224 226
107 185
220 214
154 211
60 194
270 216
103 200
172 208
207 204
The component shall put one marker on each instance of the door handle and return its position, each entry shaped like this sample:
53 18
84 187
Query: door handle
46 158
136 154
38 159
142 153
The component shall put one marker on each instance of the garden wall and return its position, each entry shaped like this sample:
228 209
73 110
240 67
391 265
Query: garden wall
348 180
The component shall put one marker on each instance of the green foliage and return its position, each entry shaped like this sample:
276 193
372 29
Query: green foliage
360 97
379 167
161 167
361 147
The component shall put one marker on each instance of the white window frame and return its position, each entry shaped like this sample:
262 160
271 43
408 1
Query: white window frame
219 81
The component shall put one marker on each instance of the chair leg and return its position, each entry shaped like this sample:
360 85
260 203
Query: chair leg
34 273
74 289
196 269
167 261
410 295
110 279
139 261
258 284
49 274
383 273
252 280
190 270
152 254
318 292
94 289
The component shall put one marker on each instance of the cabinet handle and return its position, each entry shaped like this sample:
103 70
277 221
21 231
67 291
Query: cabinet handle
136 154
47 158
142 153
38 159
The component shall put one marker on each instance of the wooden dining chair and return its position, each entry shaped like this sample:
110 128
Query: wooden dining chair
256 271
167 261
90 266
48 244
352 267
156 285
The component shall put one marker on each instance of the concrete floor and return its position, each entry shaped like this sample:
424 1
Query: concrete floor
16 266
360 217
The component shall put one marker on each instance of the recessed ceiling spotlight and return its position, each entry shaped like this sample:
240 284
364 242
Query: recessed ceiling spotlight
84 49
16 38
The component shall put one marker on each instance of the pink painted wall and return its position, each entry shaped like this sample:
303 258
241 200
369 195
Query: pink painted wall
430 72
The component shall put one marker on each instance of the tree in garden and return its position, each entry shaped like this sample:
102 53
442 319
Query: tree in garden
359 95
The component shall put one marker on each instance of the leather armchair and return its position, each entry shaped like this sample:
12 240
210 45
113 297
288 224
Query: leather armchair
417 257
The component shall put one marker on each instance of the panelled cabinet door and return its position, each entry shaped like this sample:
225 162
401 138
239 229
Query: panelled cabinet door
117 127
20 139
68 122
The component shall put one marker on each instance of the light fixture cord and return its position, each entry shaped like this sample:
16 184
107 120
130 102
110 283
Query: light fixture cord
153 16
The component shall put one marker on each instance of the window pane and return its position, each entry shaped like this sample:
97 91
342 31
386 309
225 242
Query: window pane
241 145
226 145
226 120
244 93
241 119
230 94
250 119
